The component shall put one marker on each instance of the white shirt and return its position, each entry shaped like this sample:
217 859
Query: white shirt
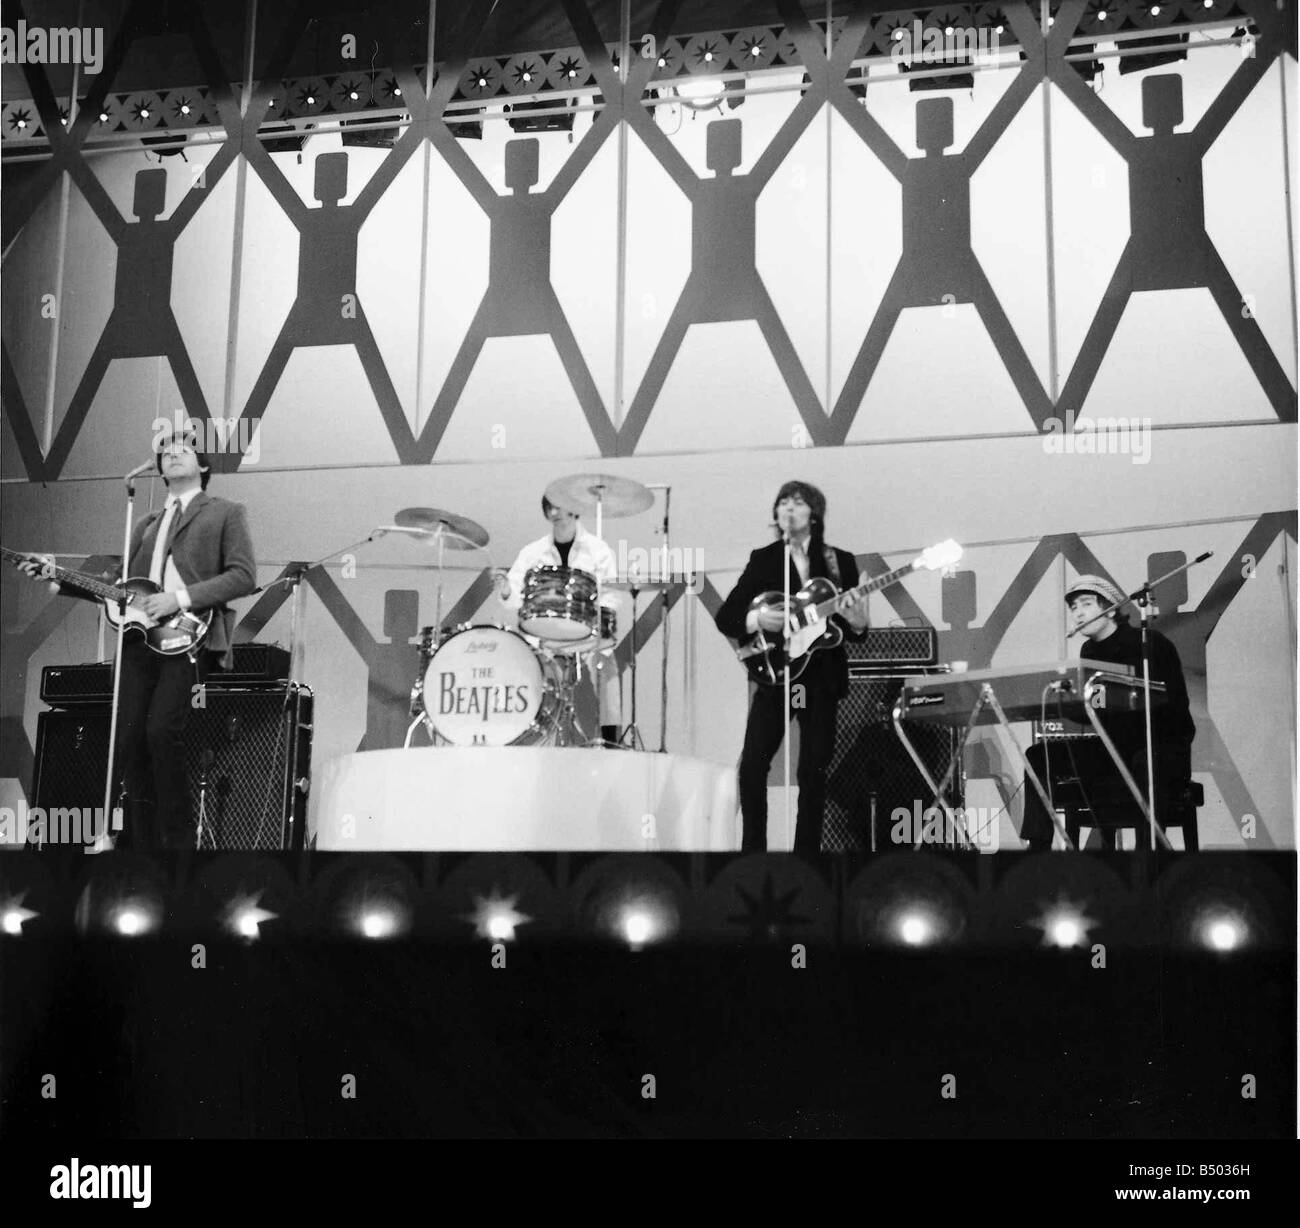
586 553
162 571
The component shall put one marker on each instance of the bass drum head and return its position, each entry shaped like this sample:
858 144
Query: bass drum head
485 686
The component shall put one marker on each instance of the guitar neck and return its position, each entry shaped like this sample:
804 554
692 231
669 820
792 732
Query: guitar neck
73 579
832 604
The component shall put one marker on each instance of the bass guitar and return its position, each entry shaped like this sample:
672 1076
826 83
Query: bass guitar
807 621
181 633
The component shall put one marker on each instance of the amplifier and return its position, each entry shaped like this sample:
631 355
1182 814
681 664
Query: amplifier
871 774
1057 731
894 646
68 686
248 753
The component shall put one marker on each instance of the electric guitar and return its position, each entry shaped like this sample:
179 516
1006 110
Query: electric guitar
807 622
180 633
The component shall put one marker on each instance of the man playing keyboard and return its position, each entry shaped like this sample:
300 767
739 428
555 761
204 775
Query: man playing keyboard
1111 638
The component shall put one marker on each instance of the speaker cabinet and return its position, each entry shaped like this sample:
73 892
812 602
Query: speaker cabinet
71 754
871 774
248 753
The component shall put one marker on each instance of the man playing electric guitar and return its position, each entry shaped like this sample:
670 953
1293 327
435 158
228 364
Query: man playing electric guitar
800 511
197 549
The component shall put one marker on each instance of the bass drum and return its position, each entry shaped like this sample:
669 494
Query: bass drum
487 686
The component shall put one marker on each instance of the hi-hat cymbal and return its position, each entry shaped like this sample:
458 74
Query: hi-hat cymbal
580 492
458 532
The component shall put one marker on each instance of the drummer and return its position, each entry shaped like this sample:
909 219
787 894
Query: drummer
568 544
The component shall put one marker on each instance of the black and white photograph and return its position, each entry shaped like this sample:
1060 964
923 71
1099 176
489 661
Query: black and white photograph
648 569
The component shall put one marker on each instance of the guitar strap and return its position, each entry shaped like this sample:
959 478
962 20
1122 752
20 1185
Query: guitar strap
832 565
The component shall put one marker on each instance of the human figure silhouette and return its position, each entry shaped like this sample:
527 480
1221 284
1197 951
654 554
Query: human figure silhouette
724 283
520 299
327 309
938 265
142 323
1168 246
1190 632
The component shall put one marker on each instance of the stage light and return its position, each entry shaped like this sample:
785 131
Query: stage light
640 926
133 918
1065 924
103 117
756 49
482 83
144 112
898 35
915 929
528 76
662 62
1101 16
495 916
22 123
14 917
701 95
245 918
521 121
397 91
311 100
378 923
1223 931
185 108
352 94
1155 10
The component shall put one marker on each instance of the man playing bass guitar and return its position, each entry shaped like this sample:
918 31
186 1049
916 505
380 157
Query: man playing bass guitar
800 511
197 552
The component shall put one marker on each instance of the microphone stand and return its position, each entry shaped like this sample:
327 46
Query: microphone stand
789 562
294 579
664 573
113 816
1141 597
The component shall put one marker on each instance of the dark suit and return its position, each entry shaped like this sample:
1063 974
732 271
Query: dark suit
824 682
1102 787
213 554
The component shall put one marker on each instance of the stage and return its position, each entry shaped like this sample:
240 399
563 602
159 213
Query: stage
512 798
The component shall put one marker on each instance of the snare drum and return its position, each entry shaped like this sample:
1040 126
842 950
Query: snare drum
559 603
608 635
485 686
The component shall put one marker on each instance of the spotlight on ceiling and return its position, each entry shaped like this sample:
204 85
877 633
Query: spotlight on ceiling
522 121
1155 59
368 134
700 93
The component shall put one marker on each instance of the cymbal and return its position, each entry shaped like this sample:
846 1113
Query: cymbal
617 496
468 534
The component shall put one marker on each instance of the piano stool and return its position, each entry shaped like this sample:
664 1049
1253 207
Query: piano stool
1189 799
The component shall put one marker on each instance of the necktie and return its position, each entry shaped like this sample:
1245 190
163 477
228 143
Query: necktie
160 543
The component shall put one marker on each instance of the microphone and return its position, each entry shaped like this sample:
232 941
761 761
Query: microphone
139 469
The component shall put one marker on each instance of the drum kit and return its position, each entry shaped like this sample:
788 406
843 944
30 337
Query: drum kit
494 685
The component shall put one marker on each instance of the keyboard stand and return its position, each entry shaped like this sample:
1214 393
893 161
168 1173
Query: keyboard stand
987 698
1095 687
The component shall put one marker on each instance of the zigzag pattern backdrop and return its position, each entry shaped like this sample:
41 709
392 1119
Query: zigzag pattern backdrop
895 298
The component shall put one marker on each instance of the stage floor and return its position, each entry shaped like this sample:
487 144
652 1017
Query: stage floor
438 799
